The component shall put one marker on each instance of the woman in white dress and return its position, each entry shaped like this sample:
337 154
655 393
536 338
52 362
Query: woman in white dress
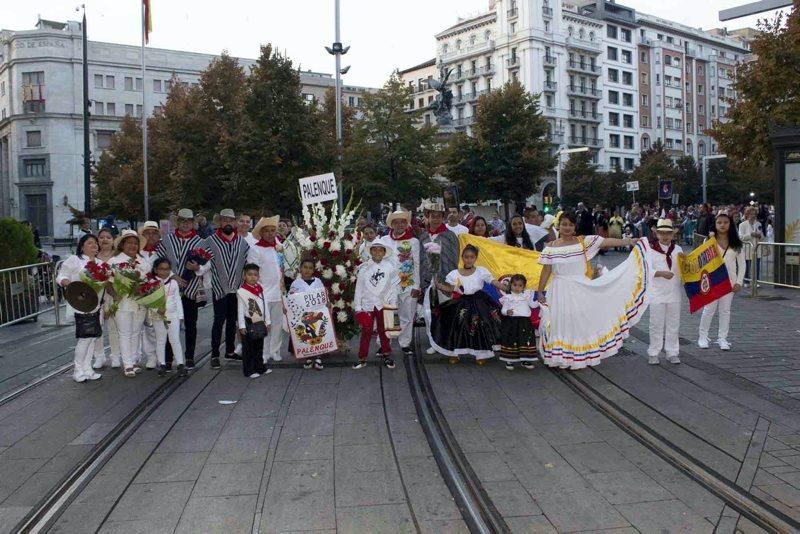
586 319
106 240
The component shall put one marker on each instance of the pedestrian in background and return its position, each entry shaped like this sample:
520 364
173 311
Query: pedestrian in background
752 232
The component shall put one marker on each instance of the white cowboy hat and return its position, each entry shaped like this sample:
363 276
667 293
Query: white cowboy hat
665 225
380 243
149 225
227 212
263 222
399 214
185 213
434 206
125 235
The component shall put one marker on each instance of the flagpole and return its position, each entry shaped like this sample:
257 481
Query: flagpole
144 118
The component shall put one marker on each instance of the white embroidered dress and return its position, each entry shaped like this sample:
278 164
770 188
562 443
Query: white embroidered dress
587 320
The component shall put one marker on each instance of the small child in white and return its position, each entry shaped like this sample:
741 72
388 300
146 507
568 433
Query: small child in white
518 337
665 298
307 282
168 329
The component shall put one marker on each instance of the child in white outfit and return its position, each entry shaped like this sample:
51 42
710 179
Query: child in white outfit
168 328
665 299
517 333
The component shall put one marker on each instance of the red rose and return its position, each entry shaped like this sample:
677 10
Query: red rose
313 253
331 234
312 239
326 245
324 262
335 254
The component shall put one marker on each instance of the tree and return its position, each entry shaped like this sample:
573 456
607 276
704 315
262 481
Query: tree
767 91
688 180
730 182
390 159
461 163
654 164
580 181
326 126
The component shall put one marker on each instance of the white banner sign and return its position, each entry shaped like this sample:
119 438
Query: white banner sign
316 189
632 186
310 323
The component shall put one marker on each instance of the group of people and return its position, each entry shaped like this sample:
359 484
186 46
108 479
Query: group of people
571 319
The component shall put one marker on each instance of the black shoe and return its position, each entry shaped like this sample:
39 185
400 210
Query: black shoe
182 370
389 363
419 322
215 363
527 365
190 363
408 351
308 363
162 370
318 364
232 356
509 366
380 354
360 364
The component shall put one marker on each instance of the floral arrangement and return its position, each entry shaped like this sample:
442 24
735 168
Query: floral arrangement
96 275
434 252
198 255
326 238
125 281
151 295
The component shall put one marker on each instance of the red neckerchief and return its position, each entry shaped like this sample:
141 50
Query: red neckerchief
150 248
263 243
188 235
222 236
657 247
408 234
433 233
256 290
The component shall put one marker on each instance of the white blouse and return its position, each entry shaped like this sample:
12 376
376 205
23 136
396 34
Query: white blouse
300 285
570 260
71 270
520 304
469 284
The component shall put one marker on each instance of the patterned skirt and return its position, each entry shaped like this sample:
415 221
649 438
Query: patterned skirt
518 340
468 325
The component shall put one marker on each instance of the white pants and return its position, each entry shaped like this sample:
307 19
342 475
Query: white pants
274 341
665 322
168 332
84 350
407 310
130 325
724 306
149 345
110 327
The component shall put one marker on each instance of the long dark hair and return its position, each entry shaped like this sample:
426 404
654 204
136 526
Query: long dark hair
734 241
472 225
82 241
511 239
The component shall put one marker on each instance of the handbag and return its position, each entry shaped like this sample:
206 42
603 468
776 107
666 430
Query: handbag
255 331
87 325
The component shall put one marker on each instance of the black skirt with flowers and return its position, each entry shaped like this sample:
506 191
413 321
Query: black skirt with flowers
518 340
467 325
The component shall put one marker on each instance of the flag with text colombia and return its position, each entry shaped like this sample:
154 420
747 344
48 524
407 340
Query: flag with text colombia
704 275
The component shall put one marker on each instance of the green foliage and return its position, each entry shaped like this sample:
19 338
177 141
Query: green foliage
580 182
767 91
16 242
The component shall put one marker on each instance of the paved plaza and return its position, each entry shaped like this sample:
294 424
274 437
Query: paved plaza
346 451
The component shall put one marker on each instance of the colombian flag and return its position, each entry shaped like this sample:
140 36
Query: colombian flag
704 275
502 260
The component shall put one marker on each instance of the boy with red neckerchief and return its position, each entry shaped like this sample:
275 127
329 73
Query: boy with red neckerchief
252 310
665 297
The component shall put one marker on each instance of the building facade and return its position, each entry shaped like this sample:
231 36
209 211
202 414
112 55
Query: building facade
422 95
41 115
609 78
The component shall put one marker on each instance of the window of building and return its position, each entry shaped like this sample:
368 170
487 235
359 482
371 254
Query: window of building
613 75
34 167
139 84
645 100
701 109
627 57
613 140
626 35
643 57
627 78
2 88
613 119
129 109
98 108
644 120
678 124
613 162
612 53
628 164
667 59
110 83
98 81
138 110
668 101
111 109
156 86
658 122
157 110
669 122
645 142
513 27
547 25
33 138
104 139
628 142
669 143
613 97
128 83
611 31
549 100
627 121
627 99
351 101
676 61
3 113
658 79
411 103
644 78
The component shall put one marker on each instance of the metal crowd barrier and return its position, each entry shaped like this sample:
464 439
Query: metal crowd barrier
28 291
775 264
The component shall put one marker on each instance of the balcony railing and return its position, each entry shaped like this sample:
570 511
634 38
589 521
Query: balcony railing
463 122
512 13
584 91
468 50
575 42
556 138
550 86
586 141
513 61
583 67
547 11
550 60
585 114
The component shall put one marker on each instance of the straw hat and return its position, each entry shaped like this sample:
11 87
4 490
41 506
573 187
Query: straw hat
185 213
264 222
149 225
434 206
399 214
126 234
227 212
665 225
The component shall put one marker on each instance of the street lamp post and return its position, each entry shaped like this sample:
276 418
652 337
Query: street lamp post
705 173
562 150
337 50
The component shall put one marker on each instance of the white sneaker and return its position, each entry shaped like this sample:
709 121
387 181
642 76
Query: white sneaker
653 360
254 375
673 359
95 376
723 344
430 351
277 358
702 342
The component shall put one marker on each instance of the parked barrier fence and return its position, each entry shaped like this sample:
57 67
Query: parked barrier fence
775 264
28 291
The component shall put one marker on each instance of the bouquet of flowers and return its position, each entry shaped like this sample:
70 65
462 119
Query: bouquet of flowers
434 253
126 279
325 237
198 255
96 275
151 295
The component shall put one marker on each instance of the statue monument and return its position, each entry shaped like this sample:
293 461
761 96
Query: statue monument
443 102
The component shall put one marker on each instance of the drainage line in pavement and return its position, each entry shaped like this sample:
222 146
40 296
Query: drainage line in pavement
737 498
471 498
49 508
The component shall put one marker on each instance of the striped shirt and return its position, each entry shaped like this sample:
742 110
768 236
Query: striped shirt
227 264
176 250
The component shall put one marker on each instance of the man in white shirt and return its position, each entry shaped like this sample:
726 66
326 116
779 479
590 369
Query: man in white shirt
453 224
533 221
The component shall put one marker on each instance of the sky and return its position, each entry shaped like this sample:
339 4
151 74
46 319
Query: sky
383 35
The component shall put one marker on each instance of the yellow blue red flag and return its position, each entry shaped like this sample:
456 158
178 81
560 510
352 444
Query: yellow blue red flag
504 261
704 275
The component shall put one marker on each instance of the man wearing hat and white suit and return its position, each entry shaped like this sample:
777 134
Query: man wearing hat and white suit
265 254
405 253
176 247
665 297
229 252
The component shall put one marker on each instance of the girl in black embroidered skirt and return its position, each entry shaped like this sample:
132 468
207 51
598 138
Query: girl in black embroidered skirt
518 338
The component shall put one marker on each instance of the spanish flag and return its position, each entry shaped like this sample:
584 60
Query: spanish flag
147 21
704 275
504 261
